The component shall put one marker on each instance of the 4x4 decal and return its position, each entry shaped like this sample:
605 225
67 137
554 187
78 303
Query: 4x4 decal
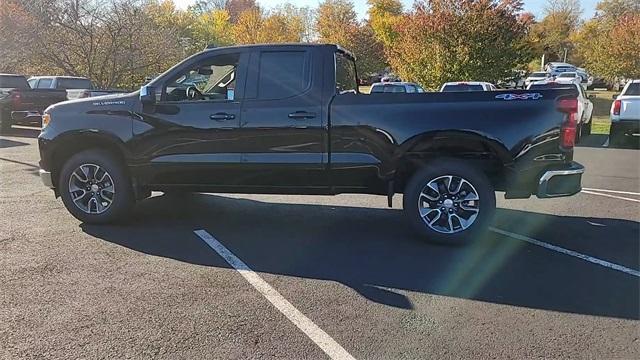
527 96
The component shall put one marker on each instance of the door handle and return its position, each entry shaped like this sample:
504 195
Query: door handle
221 116
302 115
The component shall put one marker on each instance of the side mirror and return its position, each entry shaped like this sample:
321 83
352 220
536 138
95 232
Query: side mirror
148 95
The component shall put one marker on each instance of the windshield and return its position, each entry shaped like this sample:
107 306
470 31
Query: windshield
538 74
462 87
17 82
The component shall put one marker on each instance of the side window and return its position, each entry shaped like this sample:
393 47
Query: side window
213 79
44 83
411 89
32 83
283 74
346 79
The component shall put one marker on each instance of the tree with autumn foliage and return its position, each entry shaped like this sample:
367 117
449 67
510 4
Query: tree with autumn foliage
609 44
255 27
337 23
440 41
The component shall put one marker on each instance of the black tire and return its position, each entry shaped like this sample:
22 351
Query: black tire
586 128
5 121
616 138
122 199
456 168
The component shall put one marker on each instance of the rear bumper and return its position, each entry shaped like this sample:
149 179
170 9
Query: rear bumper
624 127
45 176
559 182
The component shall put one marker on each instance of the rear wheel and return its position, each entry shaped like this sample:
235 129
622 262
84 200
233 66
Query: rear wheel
449 202
95 188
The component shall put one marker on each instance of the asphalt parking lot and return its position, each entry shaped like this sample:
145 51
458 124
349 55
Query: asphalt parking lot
319 276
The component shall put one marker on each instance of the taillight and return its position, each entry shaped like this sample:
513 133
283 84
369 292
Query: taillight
569 126
16 98
617 105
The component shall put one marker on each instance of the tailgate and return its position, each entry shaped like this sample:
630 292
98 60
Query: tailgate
630 109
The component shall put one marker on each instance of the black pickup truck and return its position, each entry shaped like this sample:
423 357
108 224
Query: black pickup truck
289 119
17 97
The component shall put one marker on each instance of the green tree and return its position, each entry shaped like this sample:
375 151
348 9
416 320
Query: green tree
212 27
613 9
384 16
255 27
442 41
552 35
609 44
337 23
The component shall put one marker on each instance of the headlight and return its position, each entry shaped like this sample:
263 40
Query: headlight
46 118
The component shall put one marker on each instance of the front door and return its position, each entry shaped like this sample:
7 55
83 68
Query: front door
193 140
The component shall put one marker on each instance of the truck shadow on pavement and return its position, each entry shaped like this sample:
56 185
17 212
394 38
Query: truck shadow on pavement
374 252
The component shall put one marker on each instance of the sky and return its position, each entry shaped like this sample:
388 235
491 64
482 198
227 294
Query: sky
534 6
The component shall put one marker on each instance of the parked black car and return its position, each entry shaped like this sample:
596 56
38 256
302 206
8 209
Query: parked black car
17 96
289 119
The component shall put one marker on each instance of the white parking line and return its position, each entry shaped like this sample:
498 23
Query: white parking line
562 250
613 191
610 196
317 335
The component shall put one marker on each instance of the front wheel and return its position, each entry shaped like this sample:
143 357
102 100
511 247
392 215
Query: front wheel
449 202
95 188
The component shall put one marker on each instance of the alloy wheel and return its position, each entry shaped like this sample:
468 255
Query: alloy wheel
449 204
91 188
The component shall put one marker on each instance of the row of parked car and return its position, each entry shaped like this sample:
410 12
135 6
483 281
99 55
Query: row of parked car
23 100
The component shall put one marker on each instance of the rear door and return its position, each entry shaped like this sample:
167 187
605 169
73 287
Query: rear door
282 131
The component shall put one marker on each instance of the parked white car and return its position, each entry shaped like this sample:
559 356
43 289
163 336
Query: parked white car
536 76
587 80
569 78
585 106
396 87
625 113
557 68
467 86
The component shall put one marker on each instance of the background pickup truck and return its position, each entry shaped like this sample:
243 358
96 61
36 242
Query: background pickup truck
17 96
625 113
76 87
289 119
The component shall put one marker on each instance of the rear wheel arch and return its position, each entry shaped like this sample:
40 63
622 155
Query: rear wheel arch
487 155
